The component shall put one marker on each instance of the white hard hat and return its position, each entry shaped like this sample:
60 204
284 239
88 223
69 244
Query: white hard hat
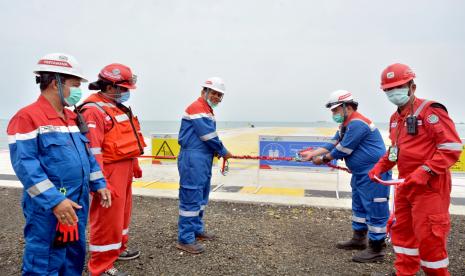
216 84
339 97
60 63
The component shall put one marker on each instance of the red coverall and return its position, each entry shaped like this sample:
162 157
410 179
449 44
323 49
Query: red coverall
109 226
419 234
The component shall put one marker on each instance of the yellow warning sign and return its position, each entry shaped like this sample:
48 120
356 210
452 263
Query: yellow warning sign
165 145
459 166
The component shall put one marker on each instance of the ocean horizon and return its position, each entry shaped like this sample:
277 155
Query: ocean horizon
162 127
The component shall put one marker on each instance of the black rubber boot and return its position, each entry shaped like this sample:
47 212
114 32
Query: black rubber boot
374 253
358 241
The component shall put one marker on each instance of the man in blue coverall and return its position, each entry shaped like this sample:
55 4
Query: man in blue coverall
199 143
50 157
360 144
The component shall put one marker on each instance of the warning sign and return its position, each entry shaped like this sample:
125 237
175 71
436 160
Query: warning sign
459 167
165 150
165 145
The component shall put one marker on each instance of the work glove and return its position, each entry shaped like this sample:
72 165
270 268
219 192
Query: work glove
376 171
390 223
137 171
418 177
66 234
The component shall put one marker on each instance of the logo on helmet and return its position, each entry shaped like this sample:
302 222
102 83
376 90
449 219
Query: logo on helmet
390 75
65 58
54 63
116 72
344 96
208 82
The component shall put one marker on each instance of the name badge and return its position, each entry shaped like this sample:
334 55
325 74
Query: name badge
393 150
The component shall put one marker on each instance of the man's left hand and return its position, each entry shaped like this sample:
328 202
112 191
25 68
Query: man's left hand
105 197
418 177
136 170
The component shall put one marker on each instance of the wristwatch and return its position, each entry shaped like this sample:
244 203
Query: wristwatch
325 159
427 169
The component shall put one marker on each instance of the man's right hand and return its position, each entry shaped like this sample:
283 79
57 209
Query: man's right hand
65 213
227 155
307 155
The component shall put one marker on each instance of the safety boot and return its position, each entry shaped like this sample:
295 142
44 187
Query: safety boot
358 241
205 236
129 254
114 272
193 248
374 253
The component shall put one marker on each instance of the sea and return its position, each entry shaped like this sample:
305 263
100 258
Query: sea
149 127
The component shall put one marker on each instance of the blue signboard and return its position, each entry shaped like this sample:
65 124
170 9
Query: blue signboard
289 146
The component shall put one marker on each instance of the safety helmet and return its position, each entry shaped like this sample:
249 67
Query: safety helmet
60 63
216 84
117 74
339 97
396 74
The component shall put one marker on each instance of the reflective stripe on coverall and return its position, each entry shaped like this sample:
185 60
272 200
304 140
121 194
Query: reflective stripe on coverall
199 141
48 153
361 147
419 235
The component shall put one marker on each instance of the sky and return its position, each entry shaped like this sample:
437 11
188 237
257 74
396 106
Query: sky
279 59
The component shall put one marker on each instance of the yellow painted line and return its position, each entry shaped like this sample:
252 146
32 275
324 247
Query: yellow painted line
166 186
156 185
326 131
274 191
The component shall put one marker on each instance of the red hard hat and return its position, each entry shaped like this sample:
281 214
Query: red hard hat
396 74
118 74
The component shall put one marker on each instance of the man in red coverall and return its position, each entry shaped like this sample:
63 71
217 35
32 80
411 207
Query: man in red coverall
116 141
424 144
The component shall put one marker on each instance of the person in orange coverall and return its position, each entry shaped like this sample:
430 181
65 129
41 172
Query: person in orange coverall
424 145
116 141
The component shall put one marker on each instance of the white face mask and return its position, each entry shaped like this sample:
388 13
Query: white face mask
398 96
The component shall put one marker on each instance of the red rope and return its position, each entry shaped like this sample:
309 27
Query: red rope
271 158
157 157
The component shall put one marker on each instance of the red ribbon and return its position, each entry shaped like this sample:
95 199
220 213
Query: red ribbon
271 158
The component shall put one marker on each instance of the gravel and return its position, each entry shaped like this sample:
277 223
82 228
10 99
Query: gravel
253 239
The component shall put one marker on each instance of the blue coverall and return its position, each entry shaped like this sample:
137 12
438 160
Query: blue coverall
199 142
361 147
49 153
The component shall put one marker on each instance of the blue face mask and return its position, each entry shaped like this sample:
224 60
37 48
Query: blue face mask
75 94
338 118
211 104
124 97
398 96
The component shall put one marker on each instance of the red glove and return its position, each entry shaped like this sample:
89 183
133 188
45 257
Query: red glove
390 223
377 170
137 171
66 234
418 177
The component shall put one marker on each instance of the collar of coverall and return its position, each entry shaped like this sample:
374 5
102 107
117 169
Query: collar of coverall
50 112
204 102
407 109
347 120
